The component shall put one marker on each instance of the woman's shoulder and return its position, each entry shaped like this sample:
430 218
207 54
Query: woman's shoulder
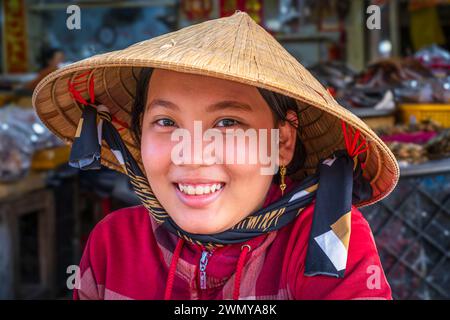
361 237
305 217
121 235
362 258
123 225
115 244
134 214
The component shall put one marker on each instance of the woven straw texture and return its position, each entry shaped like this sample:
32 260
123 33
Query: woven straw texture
234 48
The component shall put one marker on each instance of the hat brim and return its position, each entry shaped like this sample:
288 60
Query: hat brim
116 74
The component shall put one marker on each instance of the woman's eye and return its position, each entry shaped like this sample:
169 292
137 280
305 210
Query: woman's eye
227 123
165 122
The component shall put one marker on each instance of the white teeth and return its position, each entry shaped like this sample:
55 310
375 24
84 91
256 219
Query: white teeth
199 190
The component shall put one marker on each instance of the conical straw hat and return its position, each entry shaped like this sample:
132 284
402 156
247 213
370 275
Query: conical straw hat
234 48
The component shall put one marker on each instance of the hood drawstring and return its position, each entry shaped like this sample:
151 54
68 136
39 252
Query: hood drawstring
173 268
240 265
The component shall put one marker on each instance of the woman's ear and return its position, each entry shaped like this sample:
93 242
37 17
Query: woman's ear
288 135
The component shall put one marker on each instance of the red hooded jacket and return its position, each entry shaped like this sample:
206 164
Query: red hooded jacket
129 256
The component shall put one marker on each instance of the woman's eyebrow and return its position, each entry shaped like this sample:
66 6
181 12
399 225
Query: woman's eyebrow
226 104
229 104
163 103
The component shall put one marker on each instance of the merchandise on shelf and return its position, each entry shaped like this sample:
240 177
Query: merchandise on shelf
21 134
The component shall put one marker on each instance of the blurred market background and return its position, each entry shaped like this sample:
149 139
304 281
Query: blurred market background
389 64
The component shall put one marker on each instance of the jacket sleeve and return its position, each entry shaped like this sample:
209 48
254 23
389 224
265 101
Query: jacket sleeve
90 283
364 276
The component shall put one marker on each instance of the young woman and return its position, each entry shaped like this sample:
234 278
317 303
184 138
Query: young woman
211 227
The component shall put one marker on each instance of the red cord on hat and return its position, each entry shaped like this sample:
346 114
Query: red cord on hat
352 148
76 94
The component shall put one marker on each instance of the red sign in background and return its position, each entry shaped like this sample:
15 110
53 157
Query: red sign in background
15 36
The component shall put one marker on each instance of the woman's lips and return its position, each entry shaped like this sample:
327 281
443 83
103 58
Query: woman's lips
198 195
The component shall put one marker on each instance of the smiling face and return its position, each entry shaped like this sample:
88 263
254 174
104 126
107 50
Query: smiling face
205 198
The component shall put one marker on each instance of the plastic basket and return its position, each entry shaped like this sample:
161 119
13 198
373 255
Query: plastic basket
437 112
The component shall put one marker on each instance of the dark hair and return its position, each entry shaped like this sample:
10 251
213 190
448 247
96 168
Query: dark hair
279 103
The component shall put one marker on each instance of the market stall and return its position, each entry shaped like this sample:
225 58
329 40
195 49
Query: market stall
406 101
411 227
47 209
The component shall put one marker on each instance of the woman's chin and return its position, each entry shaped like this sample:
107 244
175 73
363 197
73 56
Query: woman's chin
203 225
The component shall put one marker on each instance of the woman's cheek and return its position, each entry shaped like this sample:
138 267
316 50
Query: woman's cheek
156 152
248 183
253 182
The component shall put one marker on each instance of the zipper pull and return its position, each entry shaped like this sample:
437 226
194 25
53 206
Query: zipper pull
203 263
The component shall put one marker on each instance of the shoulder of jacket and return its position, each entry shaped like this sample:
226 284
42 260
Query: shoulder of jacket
122 217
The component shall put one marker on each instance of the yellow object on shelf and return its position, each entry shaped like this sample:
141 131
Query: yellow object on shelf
379 122
423 111
50 158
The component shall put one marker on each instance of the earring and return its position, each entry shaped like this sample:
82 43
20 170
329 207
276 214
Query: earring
282 174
